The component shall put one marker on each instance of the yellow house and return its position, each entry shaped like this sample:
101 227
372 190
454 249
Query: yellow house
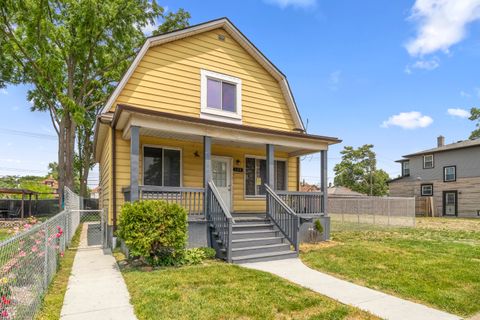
204 119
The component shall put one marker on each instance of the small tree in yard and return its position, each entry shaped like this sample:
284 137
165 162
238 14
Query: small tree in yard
154 230
358 171
475 116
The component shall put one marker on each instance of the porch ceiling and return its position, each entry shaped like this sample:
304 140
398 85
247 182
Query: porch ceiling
157 124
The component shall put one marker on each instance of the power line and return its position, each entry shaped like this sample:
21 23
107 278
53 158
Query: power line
29 134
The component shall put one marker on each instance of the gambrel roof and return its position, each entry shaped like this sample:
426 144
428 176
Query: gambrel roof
235 33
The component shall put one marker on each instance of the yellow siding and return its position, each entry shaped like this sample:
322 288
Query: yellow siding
105 175
168 79
192 168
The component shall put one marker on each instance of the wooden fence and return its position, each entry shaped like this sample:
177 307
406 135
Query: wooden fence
388 211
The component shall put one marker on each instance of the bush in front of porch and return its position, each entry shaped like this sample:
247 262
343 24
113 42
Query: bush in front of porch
156 232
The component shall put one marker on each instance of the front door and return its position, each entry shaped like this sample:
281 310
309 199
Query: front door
222 177
450 203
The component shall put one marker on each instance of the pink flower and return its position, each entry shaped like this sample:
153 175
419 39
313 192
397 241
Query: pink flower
27 226
61 254
34 249
4 313
5 300
37 241
22 254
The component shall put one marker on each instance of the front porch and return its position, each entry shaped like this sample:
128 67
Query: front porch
217 172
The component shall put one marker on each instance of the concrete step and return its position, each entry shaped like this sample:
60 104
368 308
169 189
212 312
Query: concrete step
280 255
246 251
255 242
254 234
252 226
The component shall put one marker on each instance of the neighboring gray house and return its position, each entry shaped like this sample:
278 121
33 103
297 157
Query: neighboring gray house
449 174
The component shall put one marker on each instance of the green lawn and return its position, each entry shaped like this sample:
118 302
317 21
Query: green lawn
437 263
217 290
4 234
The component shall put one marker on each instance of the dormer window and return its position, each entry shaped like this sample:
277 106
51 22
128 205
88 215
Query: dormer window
405 168
428 161
221 97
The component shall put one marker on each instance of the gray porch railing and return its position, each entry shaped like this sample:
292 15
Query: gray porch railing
189 198
283 216
220 218
303 202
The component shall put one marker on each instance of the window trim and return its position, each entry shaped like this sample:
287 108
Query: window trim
216 114
403 169
158 146
421 190
433 161
445 173
260 196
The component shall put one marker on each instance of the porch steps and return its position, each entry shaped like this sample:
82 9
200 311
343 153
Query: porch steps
255 238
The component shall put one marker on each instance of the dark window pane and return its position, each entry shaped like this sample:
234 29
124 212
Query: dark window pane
280 172
261 176
152 166
214 94
171 169
250 177
228 97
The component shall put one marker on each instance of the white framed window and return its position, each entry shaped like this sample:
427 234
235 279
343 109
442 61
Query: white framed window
221 97
428 161
449 173
256 176
426 190
406 168
162 166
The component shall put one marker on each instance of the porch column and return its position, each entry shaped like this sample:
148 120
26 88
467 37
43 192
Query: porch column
324 180
207 160
270 166
134 162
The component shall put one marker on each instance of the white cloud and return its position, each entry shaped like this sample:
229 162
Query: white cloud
423 64
294 3
458 112
3 91
465 94
334 79
441 24
408 120
149 28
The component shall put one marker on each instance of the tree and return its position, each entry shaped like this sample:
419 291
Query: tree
358 171
72 53
475 115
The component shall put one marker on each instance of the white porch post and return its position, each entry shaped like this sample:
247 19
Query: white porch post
324 180
134 162
207 168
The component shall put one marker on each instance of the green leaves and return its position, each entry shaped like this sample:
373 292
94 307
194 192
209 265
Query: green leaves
358 171
475 115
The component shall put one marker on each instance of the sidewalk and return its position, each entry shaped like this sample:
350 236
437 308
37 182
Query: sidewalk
96 289
380 304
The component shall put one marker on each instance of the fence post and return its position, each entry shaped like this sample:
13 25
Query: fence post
388 211
45 260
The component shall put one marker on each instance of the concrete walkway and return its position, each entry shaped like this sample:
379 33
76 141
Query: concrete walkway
380 304
96 289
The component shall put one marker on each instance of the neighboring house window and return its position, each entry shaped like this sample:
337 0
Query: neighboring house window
161 167
221 97
427 190
428 161
406 168
256 176
449 173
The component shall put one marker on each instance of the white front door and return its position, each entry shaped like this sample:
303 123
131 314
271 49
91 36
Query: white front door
222 177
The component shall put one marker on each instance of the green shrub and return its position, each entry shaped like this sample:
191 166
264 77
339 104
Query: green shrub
154 230
318 226
195 256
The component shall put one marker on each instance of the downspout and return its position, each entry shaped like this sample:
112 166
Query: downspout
114 180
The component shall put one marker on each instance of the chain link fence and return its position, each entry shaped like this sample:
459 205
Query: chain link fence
371 211
30 259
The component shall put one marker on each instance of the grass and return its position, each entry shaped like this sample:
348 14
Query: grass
4 234
436 263
217 290
53 300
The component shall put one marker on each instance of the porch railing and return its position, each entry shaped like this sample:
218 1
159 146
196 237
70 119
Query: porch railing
189 198
220 218
303 202
283 216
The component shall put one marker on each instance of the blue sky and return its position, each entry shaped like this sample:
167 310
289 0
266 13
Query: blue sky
372 71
